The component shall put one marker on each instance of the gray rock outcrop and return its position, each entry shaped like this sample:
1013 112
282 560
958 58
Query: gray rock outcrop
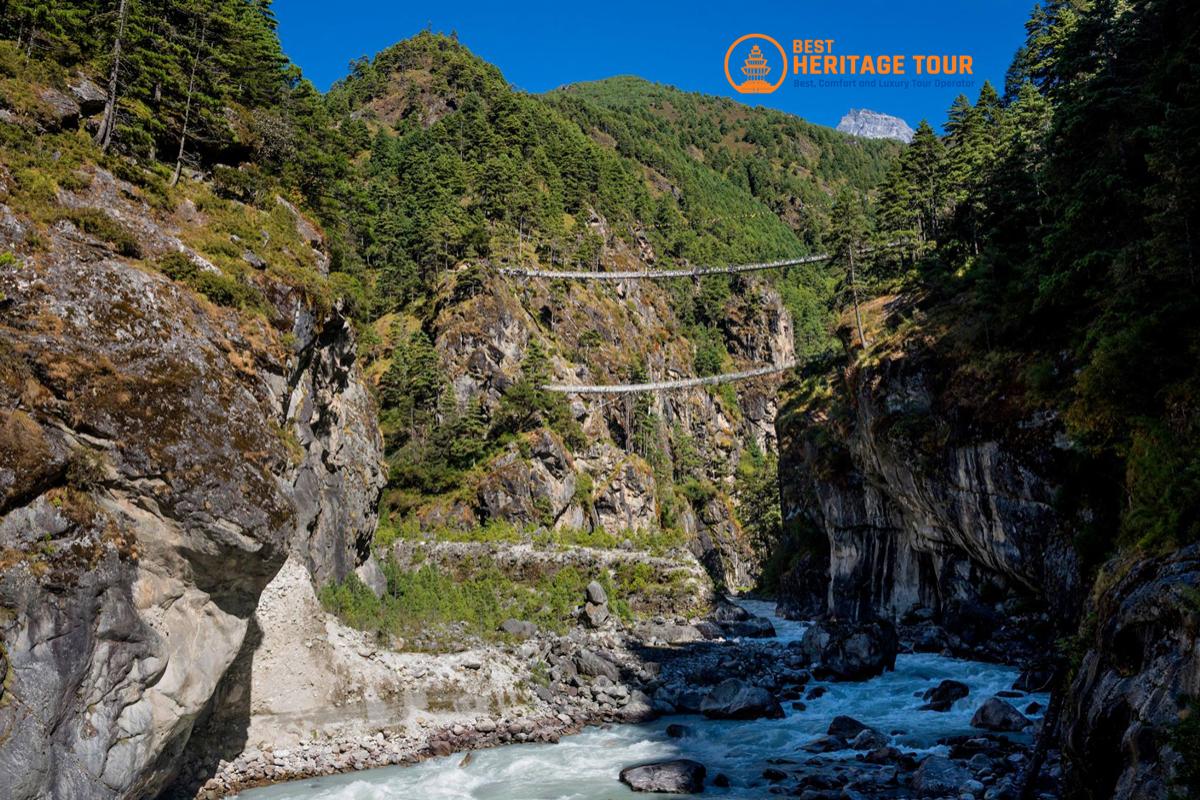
938 776
997 714
1137 681
735 699
944 695
874 125
158 466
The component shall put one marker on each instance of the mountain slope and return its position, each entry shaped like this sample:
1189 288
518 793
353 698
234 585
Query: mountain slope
462 174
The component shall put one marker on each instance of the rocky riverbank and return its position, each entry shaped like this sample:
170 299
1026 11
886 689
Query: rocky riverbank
711 676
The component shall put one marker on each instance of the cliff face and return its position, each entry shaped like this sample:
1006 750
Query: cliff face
591 331
1137 679
922 507
942 503
161 456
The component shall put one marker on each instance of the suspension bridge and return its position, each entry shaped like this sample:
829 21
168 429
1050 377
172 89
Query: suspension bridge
662 274
658 386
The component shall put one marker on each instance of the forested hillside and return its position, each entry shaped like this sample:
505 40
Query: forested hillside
427 171
1058 224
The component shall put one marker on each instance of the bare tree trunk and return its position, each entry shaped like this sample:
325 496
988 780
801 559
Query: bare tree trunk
862 337
109 121
187 109
1028 777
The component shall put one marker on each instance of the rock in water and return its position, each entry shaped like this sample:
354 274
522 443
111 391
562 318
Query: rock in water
938 776
729 612
846 727
682 776
944 695
735 699
999 715
869 739
851 651
873 125
752 628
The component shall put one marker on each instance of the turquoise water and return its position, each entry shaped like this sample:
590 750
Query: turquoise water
585 766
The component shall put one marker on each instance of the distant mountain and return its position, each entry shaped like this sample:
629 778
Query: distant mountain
873 125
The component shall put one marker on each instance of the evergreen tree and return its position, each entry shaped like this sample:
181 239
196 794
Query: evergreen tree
850 235
924 163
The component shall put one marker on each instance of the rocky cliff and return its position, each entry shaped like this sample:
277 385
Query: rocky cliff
612 480
1137 679
873 125
949 502
927 503
162 455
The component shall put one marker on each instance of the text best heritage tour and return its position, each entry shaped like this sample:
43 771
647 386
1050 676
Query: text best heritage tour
816 57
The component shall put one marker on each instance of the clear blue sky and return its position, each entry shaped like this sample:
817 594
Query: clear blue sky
541 45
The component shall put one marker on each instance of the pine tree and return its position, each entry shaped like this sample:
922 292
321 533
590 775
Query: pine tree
850 234
924 163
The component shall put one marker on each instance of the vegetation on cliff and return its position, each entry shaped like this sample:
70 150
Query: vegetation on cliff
1056 228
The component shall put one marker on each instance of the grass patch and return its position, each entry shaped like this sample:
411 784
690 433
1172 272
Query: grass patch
430 599
221 289
95 222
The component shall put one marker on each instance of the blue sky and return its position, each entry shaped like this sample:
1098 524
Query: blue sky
542 45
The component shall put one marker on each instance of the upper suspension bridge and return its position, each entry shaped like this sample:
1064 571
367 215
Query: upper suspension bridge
660 274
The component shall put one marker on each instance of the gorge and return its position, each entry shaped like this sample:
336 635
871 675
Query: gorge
294 504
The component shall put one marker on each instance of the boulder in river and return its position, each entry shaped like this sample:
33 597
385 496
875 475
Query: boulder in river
736 699
999 715
869 739
825 744
851 651
726 612
944 695
938 776
682 776
752 628
845 727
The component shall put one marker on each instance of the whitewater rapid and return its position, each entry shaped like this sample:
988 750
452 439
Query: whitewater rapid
585 766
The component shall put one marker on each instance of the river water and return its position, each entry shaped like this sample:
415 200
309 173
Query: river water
585 766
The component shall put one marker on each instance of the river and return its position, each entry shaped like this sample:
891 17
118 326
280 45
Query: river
585 766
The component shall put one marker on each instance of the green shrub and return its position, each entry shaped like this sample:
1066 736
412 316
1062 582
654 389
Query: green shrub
217 287
697 491
96 223
1185 740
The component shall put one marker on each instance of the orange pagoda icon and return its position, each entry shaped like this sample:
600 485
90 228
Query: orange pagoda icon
756 69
